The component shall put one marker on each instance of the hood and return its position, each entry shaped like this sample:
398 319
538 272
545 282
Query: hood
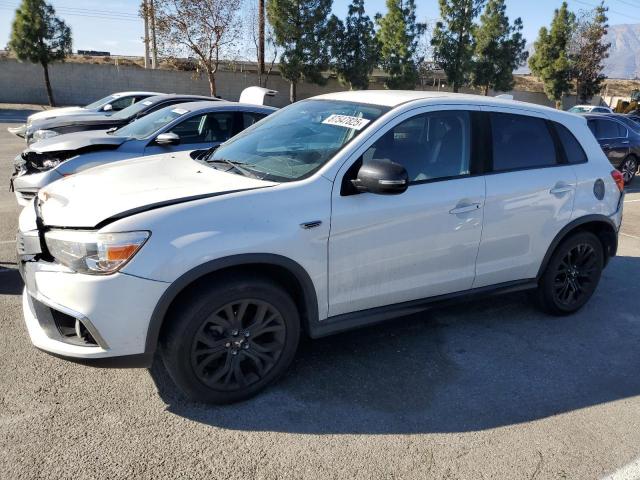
75 119
54 112
91 197
77 141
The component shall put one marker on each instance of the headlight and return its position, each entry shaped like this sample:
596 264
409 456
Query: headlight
93 252
42 134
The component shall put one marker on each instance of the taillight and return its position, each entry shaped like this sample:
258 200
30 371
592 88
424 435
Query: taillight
618 178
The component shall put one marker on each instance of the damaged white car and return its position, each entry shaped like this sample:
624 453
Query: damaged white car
182 127
107 105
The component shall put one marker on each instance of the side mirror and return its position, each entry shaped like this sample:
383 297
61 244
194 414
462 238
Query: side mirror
382 177
107 108
167 139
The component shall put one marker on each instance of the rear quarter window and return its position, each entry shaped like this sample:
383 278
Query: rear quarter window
521 142
573 151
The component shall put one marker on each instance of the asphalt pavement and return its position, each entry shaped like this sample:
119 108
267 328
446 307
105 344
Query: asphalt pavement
490 389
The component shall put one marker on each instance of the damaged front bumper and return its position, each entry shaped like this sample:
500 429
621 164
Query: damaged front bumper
29 176
19 131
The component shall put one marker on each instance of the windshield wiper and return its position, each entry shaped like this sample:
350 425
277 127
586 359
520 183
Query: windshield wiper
235 166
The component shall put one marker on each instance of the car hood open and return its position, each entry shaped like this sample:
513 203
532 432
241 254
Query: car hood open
77 141
91 198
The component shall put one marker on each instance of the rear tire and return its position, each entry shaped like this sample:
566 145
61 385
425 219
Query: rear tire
572 274
227 341
629 168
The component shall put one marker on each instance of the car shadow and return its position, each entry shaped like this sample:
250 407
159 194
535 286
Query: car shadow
468 367
11 115
10 280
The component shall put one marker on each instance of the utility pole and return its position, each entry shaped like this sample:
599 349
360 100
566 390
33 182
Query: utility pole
154 47
145 15
260 40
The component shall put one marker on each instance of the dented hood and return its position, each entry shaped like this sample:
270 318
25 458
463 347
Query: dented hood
92 197
77 141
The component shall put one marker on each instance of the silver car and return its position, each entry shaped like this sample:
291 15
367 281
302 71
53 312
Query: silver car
111 103
185 126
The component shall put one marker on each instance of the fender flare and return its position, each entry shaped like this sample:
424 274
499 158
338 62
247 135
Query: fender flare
573 225
267 259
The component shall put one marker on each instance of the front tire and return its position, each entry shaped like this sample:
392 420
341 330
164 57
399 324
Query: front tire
572 275
228 341
629 168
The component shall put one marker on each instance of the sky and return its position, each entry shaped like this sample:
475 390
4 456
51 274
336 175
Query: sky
113 25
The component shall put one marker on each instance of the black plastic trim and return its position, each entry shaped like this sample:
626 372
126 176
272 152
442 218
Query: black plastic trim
140 360
351 320
562 234
166 203
268 259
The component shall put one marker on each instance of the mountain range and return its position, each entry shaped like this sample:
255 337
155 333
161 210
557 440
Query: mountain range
624 55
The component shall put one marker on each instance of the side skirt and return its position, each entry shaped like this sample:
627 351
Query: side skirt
351 320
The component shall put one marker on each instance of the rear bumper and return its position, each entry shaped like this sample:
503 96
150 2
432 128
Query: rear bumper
94 320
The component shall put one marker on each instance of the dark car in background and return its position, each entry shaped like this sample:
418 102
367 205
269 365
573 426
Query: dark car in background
619 142
43 129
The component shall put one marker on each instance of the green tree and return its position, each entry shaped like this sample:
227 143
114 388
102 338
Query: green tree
499 49
550 61
453 39
38 36
300 28
588 51
354 47
398 38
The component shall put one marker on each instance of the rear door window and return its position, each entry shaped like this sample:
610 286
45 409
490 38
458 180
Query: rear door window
573 151
521 142
607 129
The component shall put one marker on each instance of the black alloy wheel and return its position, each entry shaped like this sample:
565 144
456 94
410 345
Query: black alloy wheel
238 345
576 274
572 274
226 340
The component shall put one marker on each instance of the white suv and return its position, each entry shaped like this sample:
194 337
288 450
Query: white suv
333 213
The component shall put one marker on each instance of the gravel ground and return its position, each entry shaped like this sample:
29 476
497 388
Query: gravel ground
489 389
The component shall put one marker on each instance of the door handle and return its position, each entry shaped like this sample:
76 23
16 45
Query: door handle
466 208
561 188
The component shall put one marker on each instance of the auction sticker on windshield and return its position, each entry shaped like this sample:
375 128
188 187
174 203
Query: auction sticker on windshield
346 121
179 111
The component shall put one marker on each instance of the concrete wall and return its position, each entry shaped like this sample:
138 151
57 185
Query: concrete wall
82 83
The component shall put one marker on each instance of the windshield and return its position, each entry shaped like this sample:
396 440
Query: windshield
102 101
580 109
297 140
132 110
148 125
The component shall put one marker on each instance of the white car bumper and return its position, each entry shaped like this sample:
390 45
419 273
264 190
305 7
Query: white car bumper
89 318
20 130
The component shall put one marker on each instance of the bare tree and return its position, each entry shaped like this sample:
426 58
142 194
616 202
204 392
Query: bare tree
265 54
204 29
